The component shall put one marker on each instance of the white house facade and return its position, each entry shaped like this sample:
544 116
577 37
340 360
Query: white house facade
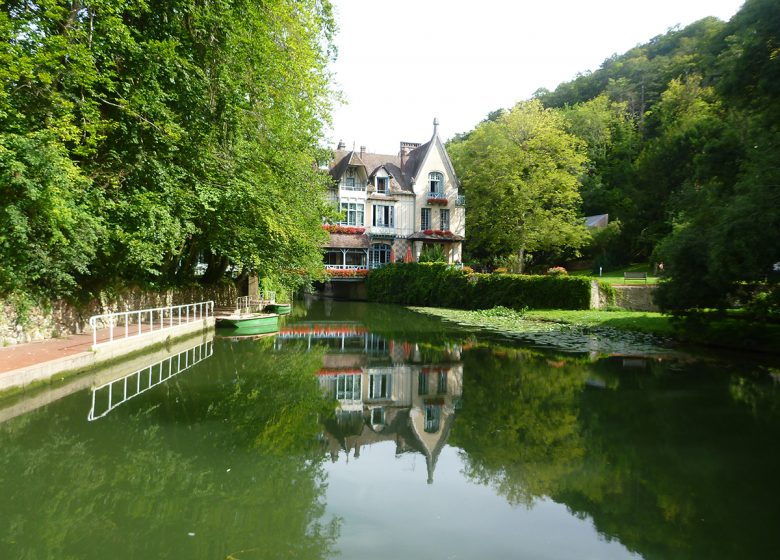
395 206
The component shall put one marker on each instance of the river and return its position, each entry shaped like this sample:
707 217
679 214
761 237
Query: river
370 431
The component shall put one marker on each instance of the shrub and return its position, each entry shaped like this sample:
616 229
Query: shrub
437 284
557 271
433 253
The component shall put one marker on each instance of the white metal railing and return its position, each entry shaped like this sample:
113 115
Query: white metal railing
346 266
383 230
114 393
255 302
437 194
156 319
461 200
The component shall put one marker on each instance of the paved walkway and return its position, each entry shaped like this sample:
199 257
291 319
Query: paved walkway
39 352
34 353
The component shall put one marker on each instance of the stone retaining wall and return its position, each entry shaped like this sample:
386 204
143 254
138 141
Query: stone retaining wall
633 298
63 318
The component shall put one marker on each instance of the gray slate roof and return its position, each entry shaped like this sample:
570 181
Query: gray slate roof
404 176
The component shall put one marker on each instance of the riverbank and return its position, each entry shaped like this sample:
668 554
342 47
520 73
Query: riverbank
727 333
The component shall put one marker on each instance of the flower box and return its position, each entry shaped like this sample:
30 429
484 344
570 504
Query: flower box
437 200
350 230
439 232
346 272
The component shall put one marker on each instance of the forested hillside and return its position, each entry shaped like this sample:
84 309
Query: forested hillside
682 137
140 137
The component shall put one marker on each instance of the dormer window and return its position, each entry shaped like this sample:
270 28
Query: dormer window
435 182
382 184
352 180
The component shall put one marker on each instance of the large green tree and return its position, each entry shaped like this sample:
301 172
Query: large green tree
521 173
171 131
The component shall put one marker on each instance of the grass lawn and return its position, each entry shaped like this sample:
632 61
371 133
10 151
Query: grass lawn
616 276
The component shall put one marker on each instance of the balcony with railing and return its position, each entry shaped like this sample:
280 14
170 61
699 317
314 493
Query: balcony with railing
353 186
383 231
461 200
437 197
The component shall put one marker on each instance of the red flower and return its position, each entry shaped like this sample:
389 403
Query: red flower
346 273
337 228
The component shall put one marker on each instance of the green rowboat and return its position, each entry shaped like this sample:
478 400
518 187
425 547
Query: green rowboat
280 308
269 321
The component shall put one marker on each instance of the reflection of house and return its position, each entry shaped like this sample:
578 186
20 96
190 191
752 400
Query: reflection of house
395 206
385 393
410 404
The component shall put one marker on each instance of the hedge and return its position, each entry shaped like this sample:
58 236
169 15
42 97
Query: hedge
439 285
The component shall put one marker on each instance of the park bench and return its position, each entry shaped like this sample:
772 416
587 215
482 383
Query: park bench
635 276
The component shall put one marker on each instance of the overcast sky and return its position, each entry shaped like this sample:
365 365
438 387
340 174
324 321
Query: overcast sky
403 62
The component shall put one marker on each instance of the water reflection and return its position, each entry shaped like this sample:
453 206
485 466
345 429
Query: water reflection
116 392
644 449
312 445
386 390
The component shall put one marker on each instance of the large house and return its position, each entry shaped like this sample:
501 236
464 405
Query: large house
395 207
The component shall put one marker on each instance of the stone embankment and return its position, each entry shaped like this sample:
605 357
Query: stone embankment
18 326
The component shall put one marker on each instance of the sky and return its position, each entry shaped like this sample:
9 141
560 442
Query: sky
403 62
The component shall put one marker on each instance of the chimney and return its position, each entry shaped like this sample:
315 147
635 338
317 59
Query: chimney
341 145
435 126
403 152
362 150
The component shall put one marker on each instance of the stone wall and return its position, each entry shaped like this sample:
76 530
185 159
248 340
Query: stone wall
64 318
633 298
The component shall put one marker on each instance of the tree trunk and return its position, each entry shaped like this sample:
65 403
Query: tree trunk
520 261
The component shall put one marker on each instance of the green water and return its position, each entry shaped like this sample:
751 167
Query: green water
367 431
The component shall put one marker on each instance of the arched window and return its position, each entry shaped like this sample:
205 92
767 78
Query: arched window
435 182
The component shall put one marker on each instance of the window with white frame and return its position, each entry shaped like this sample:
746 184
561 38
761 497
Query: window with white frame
425 218
383 215
379 255
435 182
382 184
352 180
379 386
348 387
353 213
444 219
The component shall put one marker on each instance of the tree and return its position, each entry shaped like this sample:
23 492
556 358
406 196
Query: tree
177 130
522 174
